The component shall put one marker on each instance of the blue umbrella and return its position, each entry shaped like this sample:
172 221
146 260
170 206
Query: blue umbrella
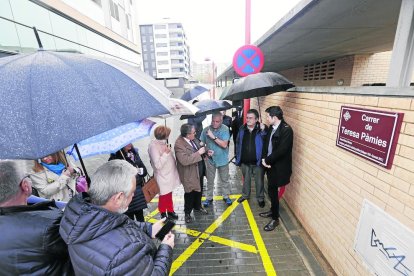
208 107
113 140
193 93
50 100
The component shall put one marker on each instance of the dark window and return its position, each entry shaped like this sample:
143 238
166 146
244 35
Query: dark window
114 10
98 2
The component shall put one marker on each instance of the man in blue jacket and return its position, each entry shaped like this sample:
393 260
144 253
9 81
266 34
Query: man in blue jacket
104 241
249 146
30 243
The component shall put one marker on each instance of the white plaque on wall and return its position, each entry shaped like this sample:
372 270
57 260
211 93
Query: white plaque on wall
385 245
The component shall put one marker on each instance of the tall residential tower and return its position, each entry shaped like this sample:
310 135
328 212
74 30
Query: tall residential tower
165 51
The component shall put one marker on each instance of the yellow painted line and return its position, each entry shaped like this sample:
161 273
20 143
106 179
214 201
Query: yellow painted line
239 245
201 239
221 218
151 215
187 253
267 263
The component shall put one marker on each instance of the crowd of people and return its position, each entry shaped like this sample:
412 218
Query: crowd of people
103 230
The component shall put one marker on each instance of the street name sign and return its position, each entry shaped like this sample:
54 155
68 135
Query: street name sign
371 134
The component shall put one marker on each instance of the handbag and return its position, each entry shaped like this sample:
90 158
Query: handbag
81 181
150 189
81 184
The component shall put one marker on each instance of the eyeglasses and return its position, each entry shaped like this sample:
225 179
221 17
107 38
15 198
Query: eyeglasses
192 132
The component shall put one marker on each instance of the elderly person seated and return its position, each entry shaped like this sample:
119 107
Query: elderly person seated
53 178
30 240
104 241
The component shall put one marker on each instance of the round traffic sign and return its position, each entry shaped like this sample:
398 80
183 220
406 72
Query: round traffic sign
247 60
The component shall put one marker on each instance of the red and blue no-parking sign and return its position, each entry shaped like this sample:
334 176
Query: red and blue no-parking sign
247 60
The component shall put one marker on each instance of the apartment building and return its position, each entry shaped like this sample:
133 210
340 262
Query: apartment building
165 52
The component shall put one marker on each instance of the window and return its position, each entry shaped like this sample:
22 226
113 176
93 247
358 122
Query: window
162 54
160 36
175 26
176 61
98 2
128 21
160 27
161 45
162 62
114 10
163 71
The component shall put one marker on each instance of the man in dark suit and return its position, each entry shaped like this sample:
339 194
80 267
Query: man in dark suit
277 160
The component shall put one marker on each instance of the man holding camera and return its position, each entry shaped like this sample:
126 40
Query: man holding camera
191 169
104 241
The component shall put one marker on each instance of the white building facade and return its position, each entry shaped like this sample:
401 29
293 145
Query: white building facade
165 51
95 27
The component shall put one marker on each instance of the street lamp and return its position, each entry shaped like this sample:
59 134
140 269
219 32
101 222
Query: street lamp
213 77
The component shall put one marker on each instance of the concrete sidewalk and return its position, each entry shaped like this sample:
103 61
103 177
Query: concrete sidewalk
231 240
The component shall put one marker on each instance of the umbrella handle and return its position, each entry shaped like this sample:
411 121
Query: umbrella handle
260 113
82 164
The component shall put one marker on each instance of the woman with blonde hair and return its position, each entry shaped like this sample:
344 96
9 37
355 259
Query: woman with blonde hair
53 178
165 170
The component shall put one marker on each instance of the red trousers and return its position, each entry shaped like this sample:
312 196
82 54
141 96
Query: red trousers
165 203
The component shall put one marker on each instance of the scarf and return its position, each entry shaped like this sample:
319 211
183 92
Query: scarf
56 168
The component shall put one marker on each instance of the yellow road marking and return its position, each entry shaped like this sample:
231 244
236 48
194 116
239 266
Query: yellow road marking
198 242
267 263
234 244
207 235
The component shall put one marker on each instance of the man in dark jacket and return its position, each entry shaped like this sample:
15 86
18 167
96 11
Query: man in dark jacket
138 203
249 147
104 241
277 160
236 123
30 243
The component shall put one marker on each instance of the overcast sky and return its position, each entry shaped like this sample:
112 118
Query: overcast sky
216 28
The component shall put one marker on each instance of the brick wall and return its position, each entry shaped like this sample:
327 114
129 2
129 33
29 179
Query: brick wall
343 70
329 184
370 68
353 70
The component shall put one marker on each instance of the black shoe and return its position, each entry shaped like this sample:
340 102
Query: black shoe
262 204
201 211
241 199
267 214
188 218
271 225
163 215
172 215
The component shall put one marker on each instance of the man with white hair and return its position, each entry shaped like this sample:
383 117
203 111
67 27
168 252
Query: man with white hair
216 138
104 241
30 240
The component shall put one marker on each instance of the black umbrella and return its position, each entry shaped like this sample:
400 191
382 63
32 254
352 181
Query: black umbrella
208 107
256 85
